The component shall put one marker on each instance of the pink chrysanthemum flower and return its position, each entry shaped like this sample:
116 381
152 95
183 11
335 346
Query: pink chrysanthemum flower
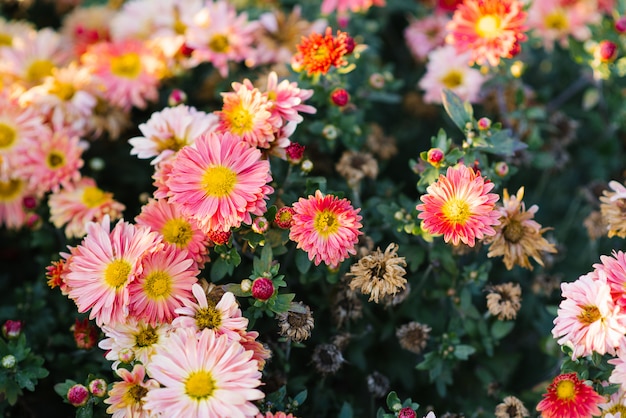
613 270
126 398
554 21
163 285
223 318
448 69
105 263
203 375
53 162
178 230
247 113
326 227
425 34
220 181
344 6
250 343
219 36
14 29
459 206
81 203
13 190
274 415
568 396
587 318
130 72
287 99
615 405
134 335
490 29
167 131
85 26
618 375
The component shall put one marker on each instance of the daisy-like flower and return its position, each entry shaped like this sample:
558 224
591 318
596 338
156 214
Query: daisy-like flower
490 29
167 131
448 69
223 318
317 53
81 203
518 236
13 190
104 264
219 35
587 317
612 208
163 285
413 336
180 231
54 162
379 274
134 335
220 181
615 406
130 72
126 398
342 7
425 34
85 26
568 396
260 353
287 99
459 206
247 114
326 227
504 300
12 29
613 270
203 375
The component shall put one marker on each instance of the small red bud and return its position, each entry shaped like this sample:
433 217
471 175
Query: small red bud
606 51
284 217
219 237
340 97
262 288
29 202
620 25
186 50
435 156
11 329
78 395
294 152
407 413
350 44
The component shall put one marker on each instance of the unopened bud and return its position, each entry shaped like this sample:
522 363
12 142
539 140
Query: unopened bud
126 355
340 97
606 51
284 217
484 124
11 329
501 168
435 156
260 225
177 97
246 285
306 166
78 395
9 361
98 387
262 288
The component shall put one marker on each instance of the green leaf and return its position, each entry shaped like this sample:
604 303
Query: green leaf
283 302
393 402
302 261
85 411
300 397
346 411
62 388
500 329
462 351
459 112
219 269
24 381
502 143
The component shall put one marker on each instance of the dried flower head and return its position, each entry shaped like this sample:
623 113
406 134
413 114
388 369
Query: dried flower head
504 300
518 236
413 336
354 166
296 323
594 224
511 407
377 384
380 144
327 359
379 274
546 283
613 208
396 299
346 305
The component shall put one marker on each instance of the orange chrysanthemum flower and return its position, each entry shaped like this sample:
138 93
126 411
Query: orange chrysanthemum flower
491 29
459 206
568 396
318 53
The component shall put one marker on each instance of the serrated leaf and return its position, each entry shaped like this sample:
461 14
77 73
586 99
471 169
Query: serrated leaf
24 381
463 351
502 143
456 109
500 329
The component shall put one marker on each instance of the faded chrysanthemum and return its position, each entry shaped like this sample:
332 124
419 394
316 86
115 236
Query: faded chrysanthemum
354 166
595 226
394 300
613 209
379 274
413 336
380 144
346 305
546 283
296 323
377 384
511 407
518 236
327 359
504 300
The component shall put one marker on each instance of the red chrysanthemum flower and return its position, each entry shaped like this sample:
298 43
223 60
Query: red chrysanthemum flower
491 29
459 206
318 53
568 396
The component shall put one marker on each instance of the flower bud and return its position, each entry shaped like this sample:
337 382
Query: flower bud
262 288
501 168
9 361
78 395
484 124
11 329
340 97
98 387
176 97
126 355
350 45
246 285
606 51
260 225
407 413
284 217
330 132
306 166
185 50
435 156
620 25
377 81
85 334
29 202
219 237
295 152
33 221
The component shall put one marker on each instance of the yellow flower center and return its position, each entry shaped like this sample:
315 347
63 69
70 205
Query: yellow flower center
219 181
615 409
127 65
208 317
39 69
456 211
6 39
556 20
158 285
133 395
200 385
9 190
219 43
326 223
117 273
146 337
240 119
488 26
173 143
321 53
177 231
7 135
55 159
513 232
589 314
565 390
64 91
452 79
93 196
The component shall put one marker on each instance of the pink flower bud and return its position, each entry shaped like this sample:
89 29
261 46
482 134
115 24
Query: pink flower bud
501 168
484 124
85 334
294 152
262 288
98 387
435 156
11 329
620 25
260 225
176 97
29 202
219 237
284 217
606 51
407 413
78 395
340 97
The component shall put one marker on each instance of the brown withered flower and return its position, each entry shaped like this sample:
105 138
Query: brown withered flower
413 336
504 300
296 323
613 209
354 166
379 274
511 407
